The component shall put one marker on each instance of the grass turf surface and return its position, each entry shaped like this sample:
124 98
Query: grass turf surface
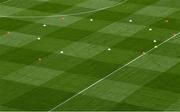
72 54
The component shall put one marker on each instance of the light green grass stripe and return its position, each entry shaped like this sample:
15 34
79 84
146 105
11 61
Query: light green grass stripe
15 39
33 75
83 50
115 91
155 63
122 29
157 11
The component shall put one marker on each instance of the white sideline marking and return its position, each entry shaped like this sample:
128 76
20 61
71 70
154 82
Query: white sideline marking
72 14
114 72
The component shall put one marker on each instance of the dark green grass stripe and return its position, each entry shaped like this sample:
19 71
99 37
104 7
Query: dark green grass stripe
173 24
10 24
44 98
49 7
23 56
170 78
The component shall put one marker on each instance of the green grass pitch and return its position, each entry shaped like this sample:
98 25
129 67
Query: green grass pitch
89 55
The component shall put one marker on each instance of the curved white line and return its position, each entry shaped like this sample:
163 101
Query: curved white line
60 15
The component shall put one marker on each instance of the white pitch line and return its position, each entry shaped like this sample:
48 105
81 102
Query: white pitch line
60 15
113 72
